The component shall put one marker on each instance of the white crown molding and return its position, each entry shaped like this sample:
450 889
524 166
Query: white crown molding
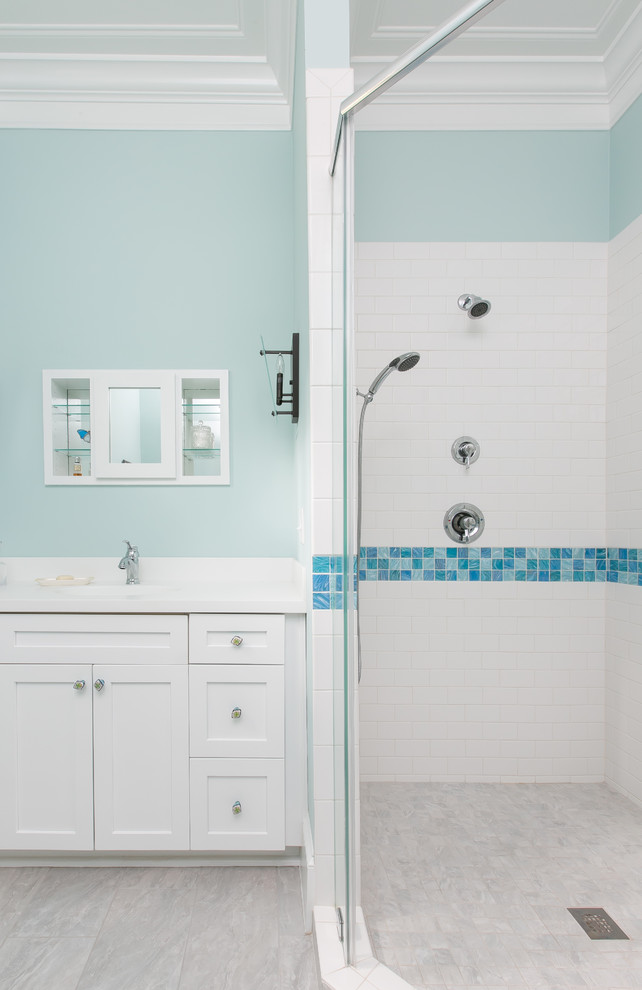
492 93
131 93
239 74
378 30
233 76
623 66
583 78
28 33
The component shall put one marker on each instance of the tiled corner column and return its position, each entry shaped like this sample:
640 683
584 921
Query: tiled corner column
624 526
325 89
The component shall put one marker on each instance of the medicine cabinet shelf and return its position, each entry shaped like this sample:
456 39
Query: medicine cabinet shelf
136 427
197 453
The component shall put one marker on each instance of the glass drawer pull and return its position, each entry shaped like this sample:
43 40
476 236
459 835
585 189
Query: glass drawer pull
236 808
79 685
236 713
236 640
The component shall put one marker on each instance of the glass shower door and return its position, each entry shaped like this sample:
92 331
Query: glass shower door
345 741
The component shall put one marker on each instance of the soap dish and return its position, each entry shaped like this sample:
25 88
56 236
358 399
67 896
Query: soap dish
63 581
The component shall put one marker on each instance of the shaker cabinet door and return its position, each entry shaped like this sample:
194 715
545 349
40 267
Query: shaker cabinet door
141 759
46 757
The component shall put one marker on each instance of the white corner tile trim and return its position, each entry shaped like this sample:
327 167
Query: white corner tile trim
368 974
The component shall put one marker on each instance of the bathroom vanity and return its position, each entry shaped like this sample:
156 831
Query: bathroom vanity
154 717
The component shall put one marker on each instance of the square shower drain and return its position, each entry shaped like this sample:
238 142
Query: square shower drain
596 923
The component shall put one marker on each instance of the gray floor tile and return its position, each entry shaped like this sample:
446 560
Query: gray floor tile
15 887
142 941
154 928
476 879
247 963
66 902
297 963
43 963
290 905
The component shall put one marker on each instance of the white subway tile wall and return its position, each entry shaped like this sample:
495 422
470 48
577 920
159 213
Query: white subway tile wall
528 381
623 485
498 682
482 682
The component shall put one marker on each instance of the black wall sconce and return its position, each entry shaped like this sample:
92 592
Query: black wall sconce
289 398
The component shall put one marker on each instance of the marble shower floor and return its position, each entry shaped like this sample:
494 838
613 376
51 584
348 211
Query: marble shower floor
150 928
468 885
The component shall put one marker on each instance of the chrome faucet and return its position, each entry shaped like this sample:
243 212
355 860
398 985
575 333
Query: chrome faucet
129 563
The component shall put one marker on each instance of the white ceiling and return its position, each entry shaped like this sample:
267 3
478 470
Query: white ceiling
229 63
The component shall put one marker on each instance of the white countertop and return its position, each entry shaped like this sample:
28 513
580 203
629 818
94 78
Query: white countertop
167 584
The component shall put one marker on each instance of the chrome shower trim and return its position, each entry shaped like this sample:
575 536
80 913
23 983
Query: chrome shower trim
414 57
404 362
475 306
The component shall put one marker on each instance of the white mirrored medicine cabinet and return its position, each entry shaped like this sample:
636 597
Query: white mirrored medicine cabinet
133 427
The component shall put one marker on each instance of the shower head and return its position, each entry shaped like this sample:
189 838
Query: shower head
402 363
475 306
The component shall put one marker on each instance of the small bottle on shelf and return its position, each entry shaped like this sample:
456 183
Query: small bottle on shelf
77 468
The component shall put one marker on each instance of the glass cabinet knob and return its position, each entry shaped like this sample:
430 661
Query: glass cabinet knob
236 808
99 684
236 713
79 685
236 640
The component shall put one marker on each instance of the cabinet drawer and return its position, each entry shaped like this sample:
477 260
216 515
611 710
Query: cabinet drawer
41 638
237 804
236 639
236 710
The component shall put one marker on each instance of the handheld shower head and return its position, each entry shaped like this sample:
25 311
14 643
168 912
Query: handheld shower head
402 363
475 306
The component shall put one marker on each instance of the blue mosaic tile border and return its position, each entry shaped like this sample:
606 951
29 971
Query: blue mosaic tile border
547 564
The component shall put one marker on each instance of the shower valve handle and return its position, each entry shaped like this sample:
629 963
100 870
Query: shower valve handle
467 527
465 450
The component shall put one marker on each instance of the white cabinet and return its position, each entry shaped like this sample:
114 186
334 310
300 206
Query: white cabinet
111 740
46 776
93 757
237 728
127 427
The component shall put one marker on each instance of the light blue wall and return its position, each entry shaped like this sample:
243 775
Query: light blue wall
157 250
301 316
327 34
626 168
482 186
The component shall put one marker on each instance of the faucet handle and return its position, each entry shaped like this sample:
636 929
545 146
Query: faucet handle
465 450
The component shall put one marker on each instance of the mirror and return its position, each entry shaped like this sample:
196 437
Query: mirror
134 425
